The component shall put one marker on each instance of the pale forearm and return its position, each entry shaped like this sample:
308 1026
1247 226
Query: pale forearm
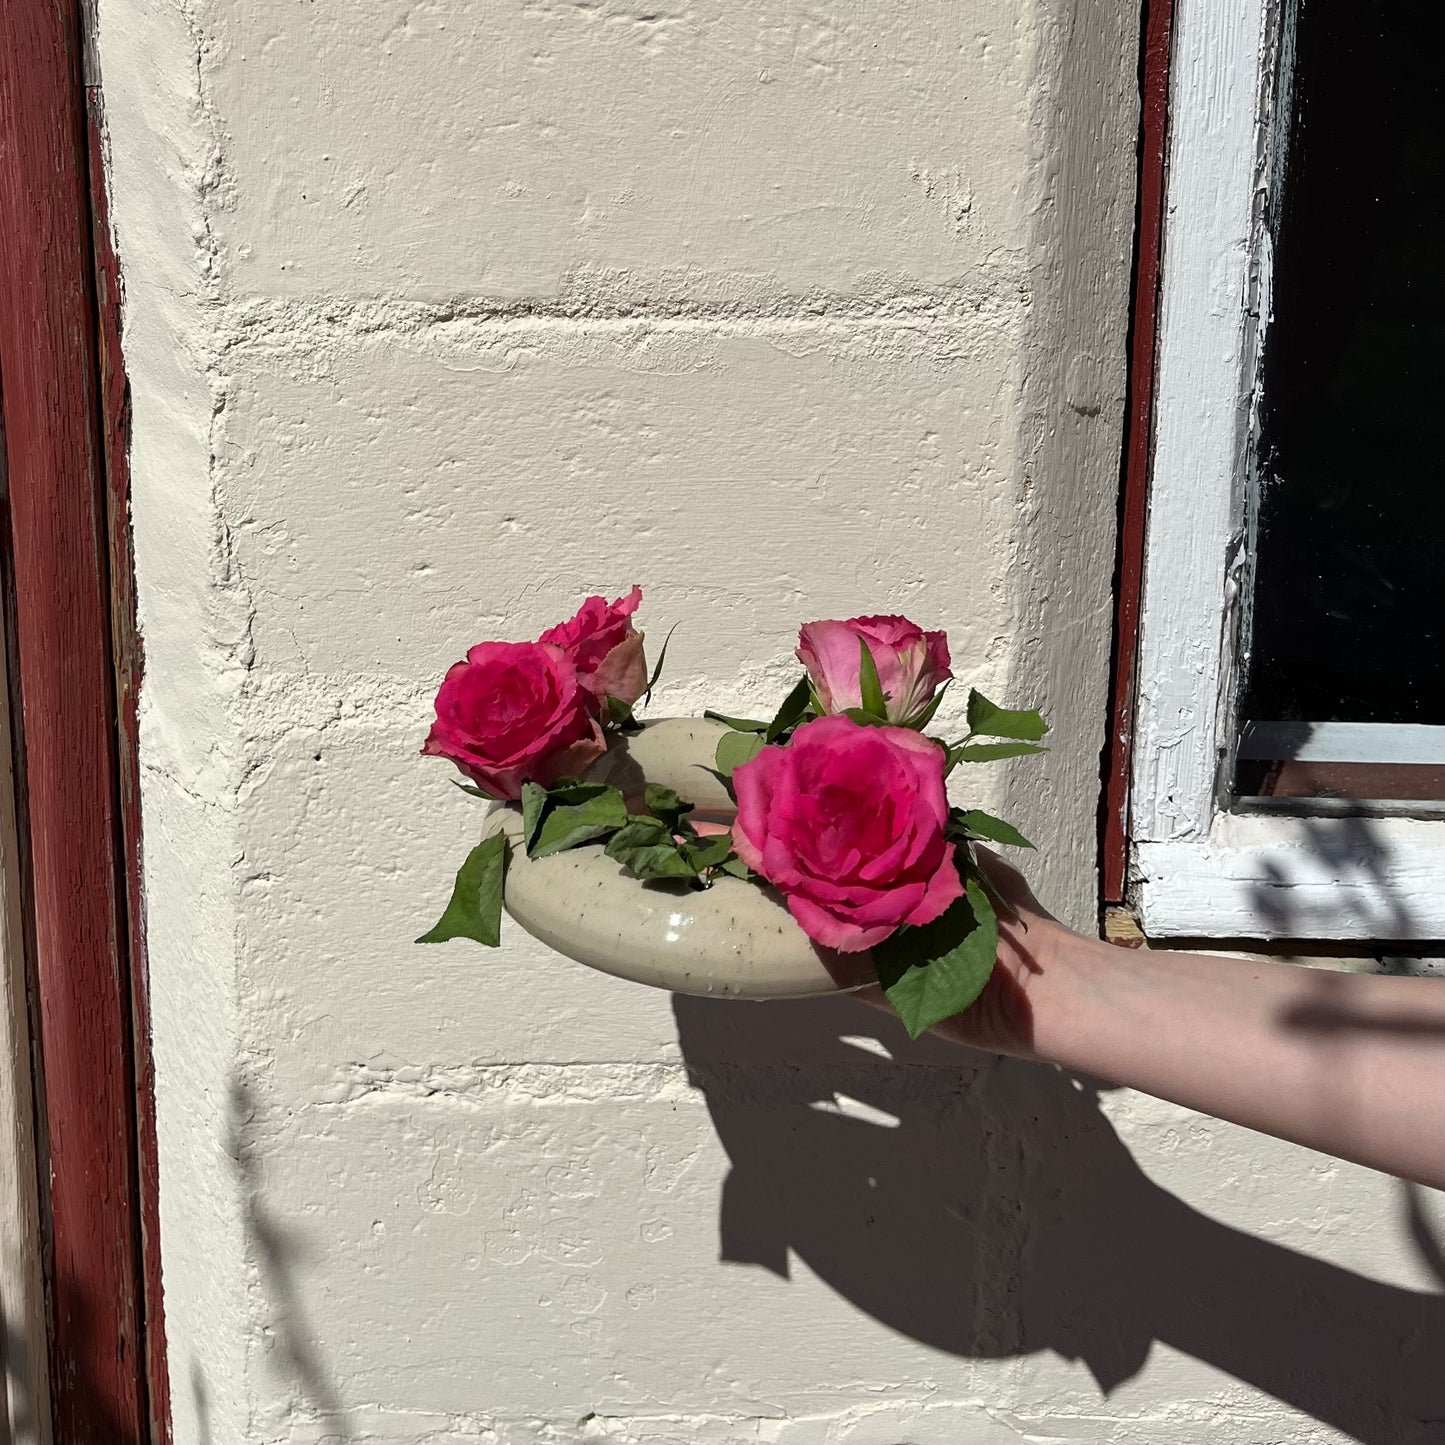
1350 1064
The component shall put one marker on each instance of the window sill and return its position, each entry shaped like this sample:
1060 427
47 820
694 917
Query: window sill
1268 876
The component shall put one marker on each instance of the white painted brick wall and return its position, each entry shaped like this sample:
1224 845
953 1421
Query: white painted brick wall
439 315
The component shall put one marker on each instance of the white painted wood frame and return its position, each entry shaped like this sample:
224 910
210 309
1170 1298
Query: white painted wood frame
1197 869
1343 742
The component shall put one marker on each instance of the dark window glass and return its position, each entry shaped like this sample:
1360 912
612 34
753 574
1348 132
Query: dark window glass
1348 616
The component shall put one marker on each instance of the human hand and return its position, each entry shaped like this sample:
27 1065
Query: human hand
1001 1019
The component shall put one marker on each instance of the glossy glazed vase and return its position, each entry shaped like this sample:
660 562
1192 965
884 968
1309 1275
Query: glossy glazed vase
735 939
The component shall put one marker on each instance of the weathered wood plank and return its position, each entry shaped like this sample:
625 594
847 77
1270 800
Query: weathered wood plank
50 376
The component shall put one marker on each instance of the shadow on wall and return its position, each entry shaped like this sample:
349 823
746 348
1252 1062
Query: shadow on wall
987 1208
277 1256
201 1399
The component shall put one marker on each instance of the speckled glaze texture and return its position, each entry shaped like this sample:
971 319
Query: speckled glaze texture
733 940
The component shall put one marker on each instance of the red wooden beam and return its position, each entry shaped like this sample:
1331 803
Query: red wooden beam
1138 442
55 408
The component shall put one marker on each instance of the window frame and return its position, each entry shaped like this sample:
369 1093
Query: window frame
1200 867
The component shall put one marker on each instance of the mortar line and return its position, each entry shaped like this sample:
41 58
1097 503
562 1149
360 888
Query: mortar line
250 322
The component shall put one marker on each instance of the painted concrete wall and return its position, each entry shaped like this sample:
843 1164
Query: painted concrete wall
439 316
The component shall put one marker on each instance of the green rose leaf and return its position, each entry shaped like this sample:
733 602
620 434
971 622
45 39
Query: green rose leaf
935 971
1000 722
869 687
647 849
571 791
709 852
735 749
978 824
569 815
738 724
734 867
1001 905
864 719
538 802
534 804
475 910
657 670
991 752
791 712
474 791
665 805
621 714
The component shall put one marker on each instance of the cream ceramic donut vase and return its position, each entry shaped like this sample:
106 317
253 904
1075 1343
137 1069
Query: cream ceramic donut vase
735 939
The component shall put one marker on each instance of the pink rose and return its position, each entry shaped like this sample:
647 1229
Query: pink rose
912 664
846 821
515 712
605 647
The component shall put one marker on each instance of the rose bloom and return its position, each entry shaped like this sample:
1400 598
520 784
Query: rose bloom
515 712
912 664
846 821
605 647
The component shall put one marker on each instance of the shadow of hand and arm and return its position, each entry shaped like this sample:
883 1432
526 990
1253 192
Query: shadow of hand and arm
900 1171
987 1207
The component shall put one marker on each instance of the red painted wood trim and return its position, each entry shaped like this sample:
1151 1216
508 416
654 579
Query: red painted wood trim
53 399
1138 442
129 664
